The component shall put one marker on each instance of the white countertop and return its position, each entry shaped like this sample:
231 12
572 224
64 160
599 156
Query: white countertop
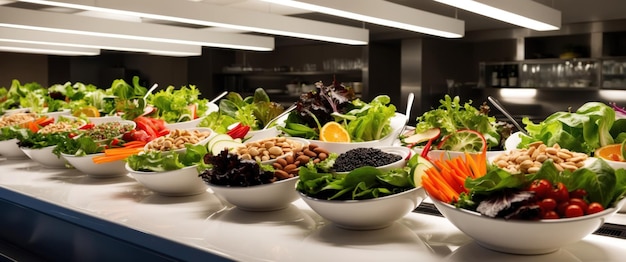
296 233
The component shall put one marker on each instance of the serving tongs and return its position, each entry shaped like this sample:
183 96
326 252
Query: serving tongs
214 100
501 108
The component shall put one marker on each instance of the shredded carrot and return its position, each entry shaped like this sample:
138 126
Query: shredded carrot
445 181
134 144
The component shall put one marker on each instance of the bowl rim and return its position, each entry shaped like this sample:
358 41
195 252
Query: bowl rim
88 155
312 141
148 173
602 213
254 186
305 197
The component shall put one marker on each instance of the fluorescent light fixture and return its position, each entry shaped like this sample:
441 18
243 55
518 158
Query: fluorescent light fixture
47 49
517 93
20 35
524 13
201 13
384 13
94 26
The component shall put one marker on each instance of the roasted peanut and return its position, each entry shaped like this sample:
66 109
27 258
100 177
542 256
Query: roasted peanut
530 159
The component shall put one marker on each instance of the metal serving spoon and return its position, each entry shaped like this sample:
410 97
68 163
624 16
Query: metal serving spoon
501 108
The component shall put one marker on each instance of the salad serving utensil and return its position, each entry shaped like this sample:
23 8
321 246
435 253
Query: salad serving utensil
291 108
503 110
150 91
409 105
218 97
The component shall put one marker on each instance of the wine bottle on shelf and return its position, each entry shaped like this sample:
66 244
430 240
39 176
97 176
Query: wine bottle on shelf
495 76
504 79
513 76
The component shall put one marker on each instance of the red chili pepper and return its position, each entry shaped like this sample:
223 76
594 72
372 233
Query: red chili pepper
87 126
163 132
426 149
239 131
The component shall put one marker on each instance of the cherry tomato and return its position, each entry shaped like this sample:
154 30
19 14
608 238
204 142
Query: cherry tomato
579 202
574 211
595 207
541 188
559 193
547 204
550 215
560 208
578 193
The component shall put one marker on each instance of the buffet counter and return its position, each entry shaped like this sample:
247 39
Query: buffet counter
61 214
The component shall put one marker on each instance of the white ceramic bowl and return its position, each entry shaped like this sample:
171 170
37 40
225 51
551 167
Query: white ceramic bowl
254 135
184 125
201 142
397 122
86 165
45 157
104 119
10 150
266 197
367 214
181 182
403 152
57 114
523 237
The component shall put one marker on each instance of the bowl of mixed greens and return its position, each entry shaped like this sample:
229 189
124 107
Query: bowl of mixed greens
245 117
170 174
456 127
39 147
367 124
364 198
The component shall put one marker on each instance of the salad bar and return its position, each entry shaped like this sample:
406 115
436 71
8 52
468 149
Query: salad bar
135 173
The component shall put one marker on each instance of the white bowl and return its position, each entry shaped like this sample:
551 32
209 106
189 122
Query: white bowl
10 150
86 165
45 157
523 237
254 135
266 197
181 182
403 152
184 125
397 122
56 115
201 142
367 214
104 119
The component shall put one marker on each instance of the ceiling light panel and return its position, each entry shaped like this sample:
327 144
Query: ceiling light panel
524 13
87 25
32 48
20 35
384 13
200 13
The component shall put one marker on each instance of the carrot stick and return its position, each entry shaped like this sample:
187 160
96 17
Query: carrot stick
107 159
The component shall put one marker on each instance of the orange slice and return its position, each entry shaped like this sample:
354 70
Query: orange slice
334 132
88 111
610 152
